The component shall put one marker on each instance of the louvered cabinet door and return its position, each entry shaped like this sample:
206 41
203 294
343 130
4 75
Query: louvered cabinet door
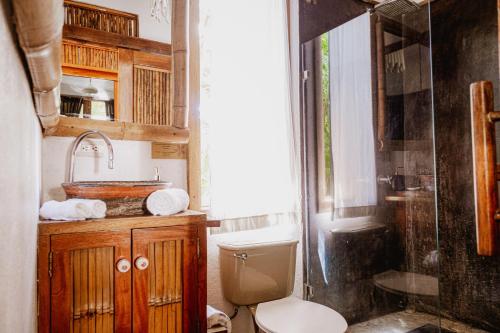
165 277
90 282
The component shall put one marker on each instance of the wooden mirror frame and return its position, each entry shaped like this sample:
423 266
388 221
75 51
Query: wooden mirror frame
177 133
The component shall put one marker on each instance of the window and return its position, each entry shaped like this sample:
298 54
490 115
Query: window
324 136
345 139
248 155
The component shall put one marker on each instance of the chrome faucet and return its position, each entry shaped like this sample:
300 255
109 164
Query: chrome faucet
77 142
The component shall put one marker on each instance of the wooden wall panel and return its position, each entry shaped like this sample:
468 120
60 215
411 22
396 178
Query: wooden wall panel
92 305
152 96
168 151
89 56
126 84
100 18
165 286
160 61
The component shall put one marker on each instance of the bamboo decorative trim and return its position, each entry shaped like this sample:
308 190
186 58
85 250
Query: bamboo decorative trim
89 56
165 286
152 96
100 18
93 286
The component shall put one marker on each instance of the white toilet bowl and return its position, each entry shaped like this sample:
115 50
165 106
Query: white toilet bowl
293 315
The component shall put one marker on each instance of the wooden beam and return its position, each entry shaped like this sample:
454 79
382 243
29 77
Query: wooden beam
112 39
379 28
69 126
126 86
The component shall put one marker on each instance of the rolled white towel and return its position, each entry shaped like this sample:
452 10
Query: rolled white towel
218 318
73 209
64 210
97 207
168 201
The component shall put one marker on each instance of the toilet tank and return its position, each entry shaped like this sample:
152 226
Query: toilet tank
253 272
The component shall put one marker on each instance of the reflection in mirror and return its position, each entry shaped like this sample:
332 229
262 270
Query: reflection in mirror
84 97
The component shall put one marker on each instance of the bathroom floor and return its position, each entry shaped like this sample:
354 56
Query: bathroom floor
404 322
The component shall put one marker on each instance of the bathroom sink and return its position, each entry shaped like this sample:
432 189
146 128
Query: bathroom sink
121 197
112 189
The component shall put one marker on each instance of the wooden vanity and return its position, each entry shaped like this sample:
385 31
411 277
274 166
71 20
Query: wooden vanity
140 274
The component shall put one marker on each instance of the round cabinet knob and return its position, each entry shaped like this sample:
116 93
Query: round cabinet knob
141 263
123 265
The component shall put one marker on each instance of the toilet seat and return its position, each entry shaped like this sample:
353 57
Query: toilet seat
293 315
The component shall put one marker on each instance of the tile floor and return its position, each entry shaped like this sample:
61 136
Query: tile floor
403 322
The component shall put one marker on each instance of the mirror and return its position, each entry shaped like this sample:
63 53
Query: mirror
119 79
87 97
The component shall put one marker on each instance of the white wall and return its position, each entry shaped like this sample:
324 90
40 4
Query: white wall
149 28
132 162
19 187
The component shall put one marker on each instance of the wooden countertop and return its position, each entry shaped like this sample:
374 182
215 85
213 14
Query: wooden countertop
46 227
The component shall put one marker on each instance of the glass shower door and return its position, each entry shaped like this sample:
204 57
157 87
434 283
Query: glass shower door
372 248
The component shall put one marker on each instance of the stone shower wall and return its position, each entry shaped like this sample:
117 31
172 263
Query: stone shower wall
465 49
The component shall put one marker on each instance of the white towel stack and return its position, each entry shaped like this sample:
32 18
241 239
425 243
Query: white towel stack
217 318
73 210
168 201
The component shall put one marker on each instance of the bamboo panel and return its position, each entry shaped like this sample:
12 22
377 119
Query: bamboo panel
101 18
89 56
152 96
92 305
165 287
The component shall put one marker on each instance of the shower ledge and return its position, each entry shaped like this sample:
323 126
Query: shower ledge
416 196
407 283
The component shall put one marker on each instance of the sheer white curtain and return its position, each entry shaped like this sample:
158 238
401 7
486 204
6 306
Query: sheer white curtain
248 134
353 148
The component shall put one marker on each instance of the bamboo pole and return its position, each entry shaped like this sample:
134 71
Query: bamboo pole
180 39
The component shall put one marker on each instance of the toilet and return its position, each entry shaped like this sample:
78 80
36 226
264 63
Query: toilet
262 273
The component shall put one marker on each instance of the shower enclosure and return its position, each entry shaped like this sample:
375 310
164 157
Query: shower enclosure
374 147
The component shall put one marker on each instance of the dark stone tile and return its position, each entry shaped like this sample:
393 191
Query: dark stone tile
464 43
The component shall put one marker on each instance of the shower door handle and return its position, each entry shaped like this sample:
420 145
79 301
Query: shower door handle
483 119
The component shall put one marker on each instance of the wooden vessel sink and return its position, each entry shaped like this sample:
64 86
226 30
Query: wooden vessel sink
113 189
121 197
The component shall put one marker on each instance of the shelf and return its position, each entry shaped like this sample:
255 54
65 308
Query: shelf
411 196
407 283
117 130
407 145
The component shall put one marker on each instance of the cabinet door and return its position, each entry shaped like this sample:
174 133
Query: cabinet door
165 278
88 292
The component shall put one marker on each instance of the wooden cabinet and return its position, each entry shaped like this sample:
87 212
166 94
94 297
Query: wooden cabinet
138 274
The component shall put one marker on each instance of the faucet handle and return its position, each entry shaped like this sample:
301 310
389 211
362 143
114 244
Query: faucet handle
157 174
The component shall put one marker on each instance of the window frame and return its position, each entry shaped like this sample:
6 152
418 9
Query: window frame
325 200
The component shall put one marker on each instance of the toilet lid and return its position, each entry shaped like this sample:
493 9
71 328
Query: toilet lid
293 315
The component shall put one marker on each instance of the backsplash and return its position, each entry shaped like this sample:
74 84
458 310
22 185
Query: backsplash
132 162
